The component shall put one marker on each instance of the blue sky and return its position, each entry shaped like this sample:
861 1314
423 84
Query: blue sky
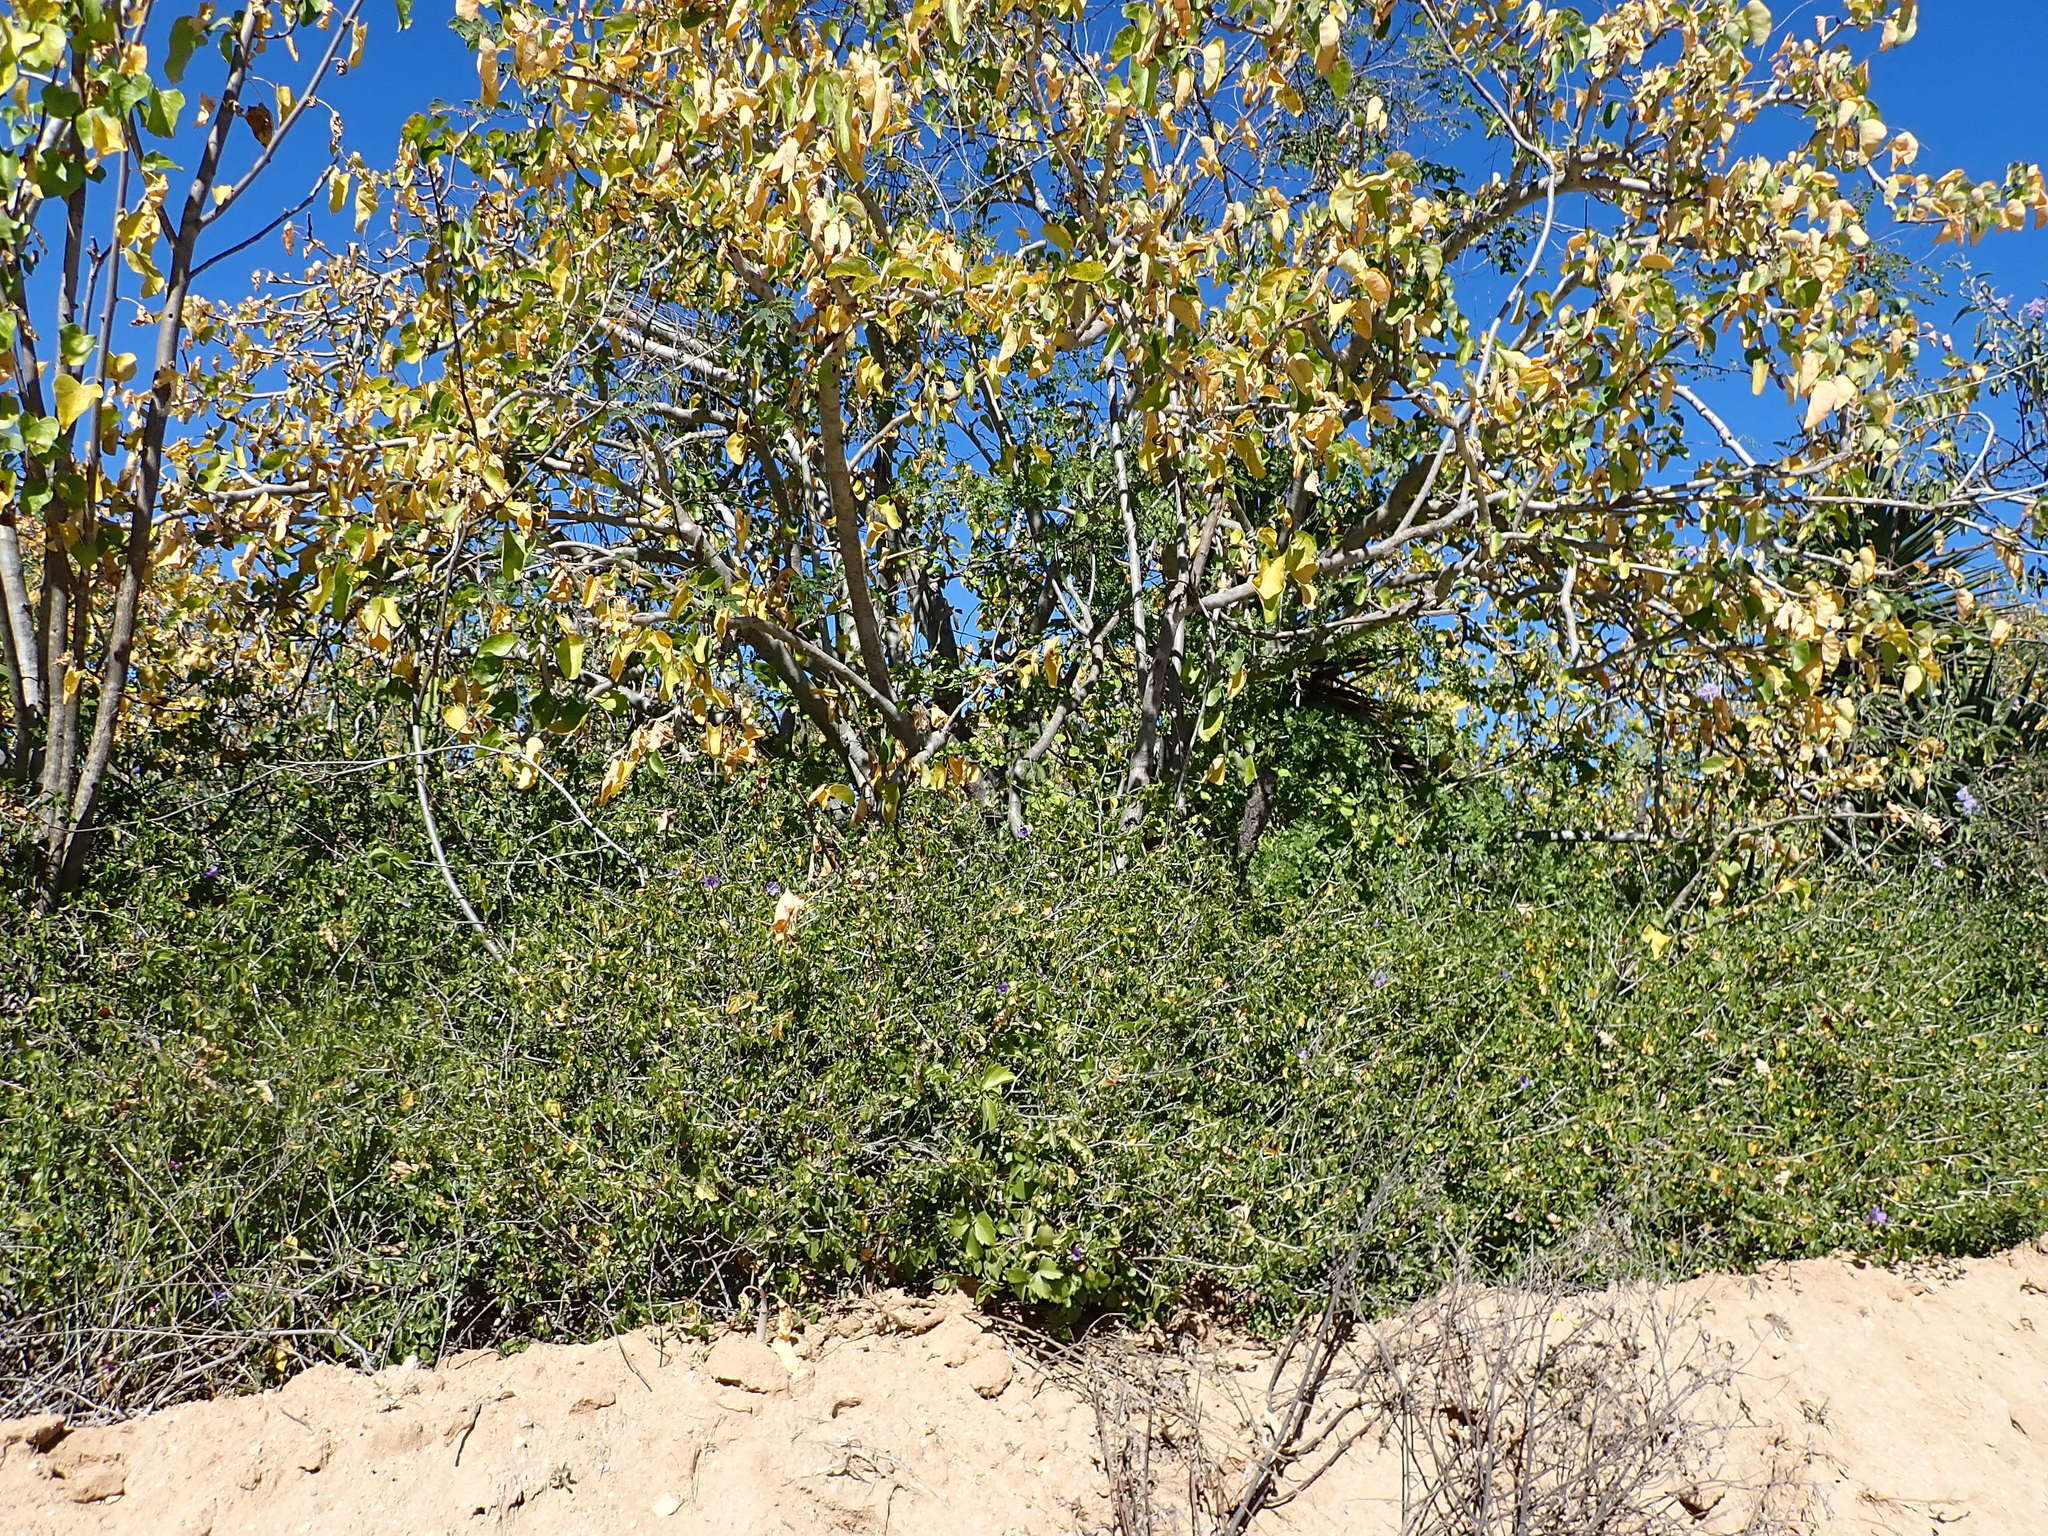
1974 87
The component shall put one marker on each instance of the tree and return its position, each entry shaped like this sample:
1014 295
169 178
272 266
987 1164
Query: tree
966 381
99 223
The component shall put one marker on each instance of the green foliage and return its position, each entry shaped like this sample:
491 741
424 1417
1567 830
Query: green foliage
271 1094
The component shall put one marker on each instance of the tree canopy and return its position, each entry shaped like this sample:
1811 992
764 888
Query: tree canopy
998 392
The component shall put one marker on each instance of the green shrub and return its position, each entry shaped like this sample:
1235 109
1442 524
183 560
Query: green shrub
274 1103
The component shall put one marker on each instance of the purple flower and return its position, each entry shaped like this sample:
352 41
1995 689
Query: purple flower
1526 1082
1938 861
774 887
1968 803
2034 311
711 882
1708 691
1302 1055
1002 988
1380 978
212 872
1878 1217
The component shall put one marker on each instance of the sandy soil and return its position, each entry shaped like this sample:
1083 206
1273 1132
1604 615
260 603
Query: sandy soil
1878 1403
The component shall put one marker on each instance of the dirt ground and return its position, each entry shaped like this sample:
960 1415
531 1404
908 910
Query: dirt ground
1864 1402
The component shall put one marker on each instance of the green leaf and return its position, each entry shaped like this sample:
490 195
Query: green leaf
40 433
160 115
344 587
995 1079
500 645
59 176
186 35
512 554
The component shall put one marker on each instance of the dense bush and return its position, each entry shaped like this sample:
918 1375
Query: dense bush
273 1101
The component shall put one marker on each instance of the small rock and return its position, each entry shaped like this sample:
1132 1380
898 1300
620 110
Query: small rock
89 1479
666 1505
747 1363
914 1317
38 1433
590 1402
841 1403
989 1374
312 1455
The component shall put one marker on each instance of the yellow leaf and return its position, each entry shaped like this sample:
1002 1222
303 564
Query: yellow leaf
1829 396
1657 940
74 398
379 616
616 773
1212 65
1271 580
456 718
102 133
1329 33
789 911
